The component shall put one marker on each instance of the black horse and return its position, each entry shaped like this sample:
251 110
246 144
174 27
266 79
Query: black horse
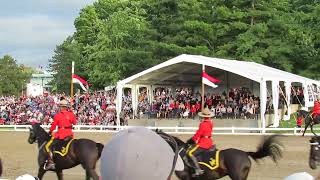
308 120
82 151
232 162
0 167
314 155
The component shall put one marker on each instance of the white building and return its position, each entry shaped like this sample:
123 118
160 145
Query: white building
38 84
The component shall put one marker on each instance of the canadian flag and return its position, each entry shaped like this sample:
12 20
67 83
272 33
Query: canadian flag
208 80
79 80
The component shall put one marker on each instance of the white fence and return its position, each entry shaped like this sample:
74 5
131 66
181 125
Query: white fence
173 130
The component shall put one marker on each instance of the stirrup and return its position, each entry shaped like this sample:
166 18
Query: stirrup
49 166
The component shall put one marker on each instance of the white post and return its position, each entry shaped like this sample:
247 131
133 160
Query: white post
306 96
275 102
263 101
288 99
119 102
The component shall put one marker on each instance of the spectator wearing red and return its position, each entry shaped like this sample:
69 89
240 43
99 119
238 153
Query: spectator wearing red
198 106
299 121
187 105
193 111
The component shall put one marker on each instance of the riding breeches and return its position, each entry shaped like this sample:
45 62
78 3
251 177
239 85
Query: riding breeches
51 143
193 152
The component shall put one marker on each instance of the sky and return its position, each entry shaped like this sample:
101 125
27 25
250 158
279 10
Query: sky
31 29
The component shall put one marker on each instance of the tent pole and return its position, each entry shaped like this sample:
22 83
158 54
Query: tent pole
263 94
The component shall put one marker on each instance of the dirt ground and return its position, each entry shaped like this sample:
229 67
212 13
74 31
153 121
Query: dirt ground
19 157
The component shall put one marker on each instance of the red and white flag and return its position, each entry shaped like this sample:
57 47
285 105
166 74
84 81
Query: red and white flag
79 80
208 80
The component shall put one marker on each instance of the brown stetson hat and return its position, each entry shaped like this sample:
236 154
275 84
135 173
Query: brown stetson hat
205 113
63 103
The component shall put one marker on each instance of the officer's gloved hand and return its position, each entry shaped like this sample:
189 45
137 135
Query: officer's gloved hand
191 142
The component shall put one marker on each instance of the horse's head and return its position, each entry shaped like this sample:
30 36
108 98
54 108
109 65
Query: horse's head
32 135
37 133
314 157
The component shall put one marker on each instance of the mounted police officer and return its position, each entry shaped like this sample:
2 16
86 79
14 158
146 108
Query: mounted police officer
201 141
316 111
64 120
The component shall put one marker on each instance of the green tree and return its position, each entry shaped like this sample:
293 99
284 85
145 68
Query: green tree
117 38
13 77
61 64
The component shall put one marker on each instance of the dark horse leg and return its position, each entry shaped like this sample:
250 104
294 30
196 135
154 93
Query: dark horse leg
236 163
59 174
91 173
90 170
312 130
41 172
307 125
183 175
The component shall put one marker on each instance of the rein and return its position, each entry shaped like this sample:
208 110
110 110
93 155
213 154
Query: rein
170 139
42 145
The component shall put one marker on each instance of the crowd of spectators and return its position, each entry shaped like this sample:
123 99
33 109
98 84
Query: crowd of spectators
184 103
99 108
93 109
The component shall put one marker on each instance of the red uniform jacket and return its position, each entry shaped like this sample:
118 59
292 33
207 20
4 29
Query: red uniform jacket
64 120
316 109
203 135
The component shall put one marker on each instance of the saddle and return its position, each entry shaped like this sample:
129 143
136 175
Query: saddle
62 147
209 158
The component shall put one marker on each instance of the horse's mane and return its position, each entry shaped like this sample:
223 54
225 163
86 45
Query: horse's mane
39 130
303 113
161 133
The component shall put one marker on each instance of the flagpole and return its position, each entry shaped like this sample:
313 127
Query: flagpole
202 93
72 72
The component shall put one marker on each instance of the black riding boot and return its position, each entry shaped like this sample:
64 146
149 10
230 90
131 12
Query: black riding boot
197 169
49 165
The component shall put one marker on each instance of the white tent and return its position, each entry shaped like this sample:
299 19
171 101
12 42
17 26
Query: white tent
186 70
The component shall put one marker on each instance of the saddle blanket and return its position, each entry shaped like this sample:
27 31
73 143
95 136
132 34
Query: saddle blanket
61 147
210 159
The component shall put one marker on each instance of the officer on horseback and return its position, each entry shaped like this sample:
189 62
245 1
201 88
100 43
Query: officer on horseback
201 141
64 120
316 111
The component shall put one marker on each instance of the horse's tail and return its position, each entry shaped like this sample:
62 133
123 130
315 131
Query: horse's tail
269 147
100 148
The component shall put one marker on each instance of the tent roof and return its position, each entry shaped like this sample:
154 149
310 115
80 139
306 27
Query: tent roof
186 69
